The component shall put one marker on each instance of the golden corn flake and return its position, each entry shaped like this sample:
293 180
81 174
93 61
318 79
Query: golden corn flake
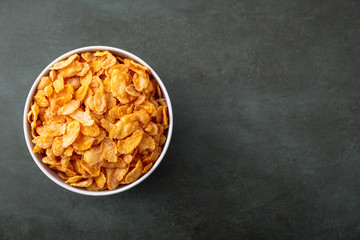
57 146
49 90
32 117
65 63
94 170
140 99
93 156
100 137
162 139
40 99
108 148
99 102
49 161
69 107
54 128
135 173
81 92
84 70
44 82
109 62
71 70
153 156
75 179
147 143
141 81
112 181
84 183
68 151
132 91
86 79
120 173
107 125
92 131
147 168
71 133
118 164
88 56
83 143
100 180
122 129
58 84
127 158
127 145
165 118
37 149
151 129
44 141
136 67
98 120
74 82
82 117
107 84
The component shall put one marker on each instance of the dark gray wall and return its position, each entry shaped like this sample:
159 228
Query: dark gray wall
266 97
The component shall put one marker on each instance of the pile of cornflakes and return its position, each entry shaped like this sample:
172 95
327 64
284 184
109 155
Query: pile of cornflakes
99 120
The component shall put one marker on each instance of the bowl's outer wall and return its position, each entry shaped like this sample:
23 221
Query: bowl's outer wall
37 157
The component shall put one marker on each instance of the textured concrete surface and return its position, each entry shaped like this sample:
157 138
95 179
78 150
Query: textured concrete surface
266 97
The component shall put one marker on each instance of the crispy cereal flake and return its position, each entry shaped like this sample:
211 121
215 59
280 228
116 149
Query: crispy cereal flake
98 120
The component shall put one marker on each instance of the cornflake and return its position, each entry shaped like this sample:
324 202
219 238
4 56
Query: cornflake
98 120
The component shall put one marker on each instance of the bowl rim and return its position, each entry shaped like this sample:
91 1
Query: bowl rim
51 173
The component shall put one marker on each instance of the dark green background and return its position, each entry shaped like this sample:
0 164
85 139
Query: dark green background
266 98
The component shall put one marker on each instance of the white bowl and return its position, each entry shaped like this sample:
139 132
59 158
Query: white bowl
52 174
